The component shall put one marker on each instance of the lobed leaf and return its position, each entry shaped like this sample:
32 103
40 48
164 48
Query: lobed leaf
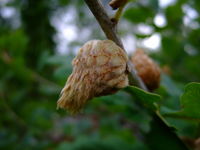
147 98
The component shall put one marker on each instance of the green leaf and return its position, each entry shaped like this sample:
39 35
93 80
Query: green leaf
138 14
148 99
161 136
154 138
170 86
190 103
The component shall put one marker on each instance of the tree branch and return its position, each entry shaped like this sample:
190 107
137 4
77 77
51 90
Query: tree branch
108 27
110 30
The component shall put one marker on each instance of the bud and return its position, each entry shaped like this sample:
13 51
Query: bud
98 69
148 71
115 4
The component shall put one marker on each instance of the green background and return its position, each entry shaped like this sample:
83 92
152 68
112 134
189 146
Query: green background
33 72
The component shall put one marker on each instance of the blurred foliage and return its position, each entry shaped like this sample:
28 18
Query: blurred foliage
146 98
189 103
33 72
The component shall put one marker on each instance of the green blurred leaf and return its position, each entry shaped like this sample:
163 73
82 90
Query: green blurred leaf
170 86
137 15
148 99
162 137
95 143
59 59
190 102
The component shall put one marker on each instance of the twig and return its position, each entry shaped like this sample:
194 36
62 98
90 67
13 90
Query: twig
103 19
119 12
115 4
110 31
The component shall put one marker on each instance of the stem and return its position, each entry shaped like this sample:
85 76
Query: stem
110 30
118 14
104 21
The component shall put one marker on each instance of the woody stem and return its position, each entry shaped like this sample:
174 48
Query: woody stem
110 29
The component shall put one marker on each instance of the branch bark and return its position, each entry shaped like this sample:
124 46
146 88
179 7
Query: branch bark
110 29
